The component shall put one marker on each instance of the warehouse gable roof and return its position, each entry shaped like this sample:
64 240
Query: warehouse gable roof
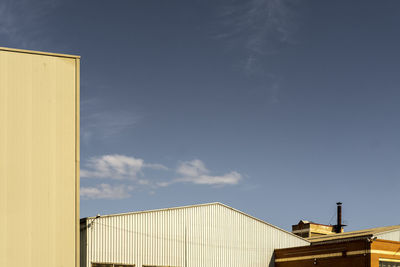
195 206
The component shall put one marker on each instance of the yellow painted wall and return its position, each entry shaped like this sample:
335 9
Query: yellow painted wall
39 159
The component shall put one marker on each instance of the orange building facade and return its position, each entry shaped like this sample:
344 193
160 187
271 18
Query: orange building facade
356 253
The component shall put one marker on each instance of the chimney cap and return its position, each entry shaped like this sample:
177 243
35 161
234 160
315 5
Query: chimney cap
339 203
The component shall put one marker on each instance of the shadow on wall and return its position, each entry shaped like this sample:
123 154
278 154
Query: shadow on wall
272 262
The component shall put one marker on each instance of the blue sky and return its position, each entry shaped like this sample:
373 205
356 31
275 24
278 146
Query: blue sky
279 108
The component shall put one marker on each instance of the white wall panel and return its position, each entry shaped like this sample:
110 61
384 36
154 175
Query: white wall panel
211 235
392 235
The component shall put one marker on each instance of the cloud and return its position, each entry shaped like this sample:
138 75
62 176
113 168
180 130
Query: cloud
117 167
100 123
254 30
132 172
260 24
195 172
258 27
231 178
106 191
106 124
23 21
192 168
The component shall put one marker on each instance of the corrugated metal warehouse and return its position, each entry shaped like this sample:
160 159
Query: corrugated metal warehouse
212 235
39 159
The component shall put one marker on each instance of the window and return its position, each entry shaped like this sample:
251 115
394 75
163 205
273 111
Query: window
111 265
389 263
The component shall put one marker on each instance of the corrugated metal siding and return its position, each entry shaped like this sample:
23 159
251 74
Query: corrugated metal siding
392 235
39 159
206 235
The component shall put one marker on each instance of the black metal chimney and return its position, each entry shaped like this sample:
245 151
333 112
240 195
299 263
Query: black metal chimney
339 225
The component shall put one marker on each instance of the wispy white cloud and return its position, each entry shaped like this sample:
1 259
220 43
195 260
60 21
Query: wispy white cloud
260 24
131 173
97 122
105 124
118 167
255 30
156 166
192 168
22 21
106 191
195 172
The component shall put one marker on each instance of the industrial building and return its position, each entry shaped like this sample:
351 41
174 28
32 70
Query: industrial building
377 247
330 246
39 159
307 229
212 235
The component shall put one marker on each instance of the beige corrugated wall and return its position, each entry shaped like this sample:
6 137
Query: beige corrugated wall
39 159
393 235
211 235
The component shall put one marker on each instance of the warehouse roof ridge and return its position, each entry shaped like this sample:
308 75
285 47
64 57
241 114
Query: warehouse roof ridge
195 206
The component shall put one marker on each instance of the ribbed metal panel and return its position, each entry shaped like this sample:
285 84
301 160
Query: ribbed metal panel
392 235
39 159
212 235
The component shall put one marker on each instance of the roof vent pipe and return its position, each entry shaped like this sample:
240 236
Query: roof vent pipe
339 225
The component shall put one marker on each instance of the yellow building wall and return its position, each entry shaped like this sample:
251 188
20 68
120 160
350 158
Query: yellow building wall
39 159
